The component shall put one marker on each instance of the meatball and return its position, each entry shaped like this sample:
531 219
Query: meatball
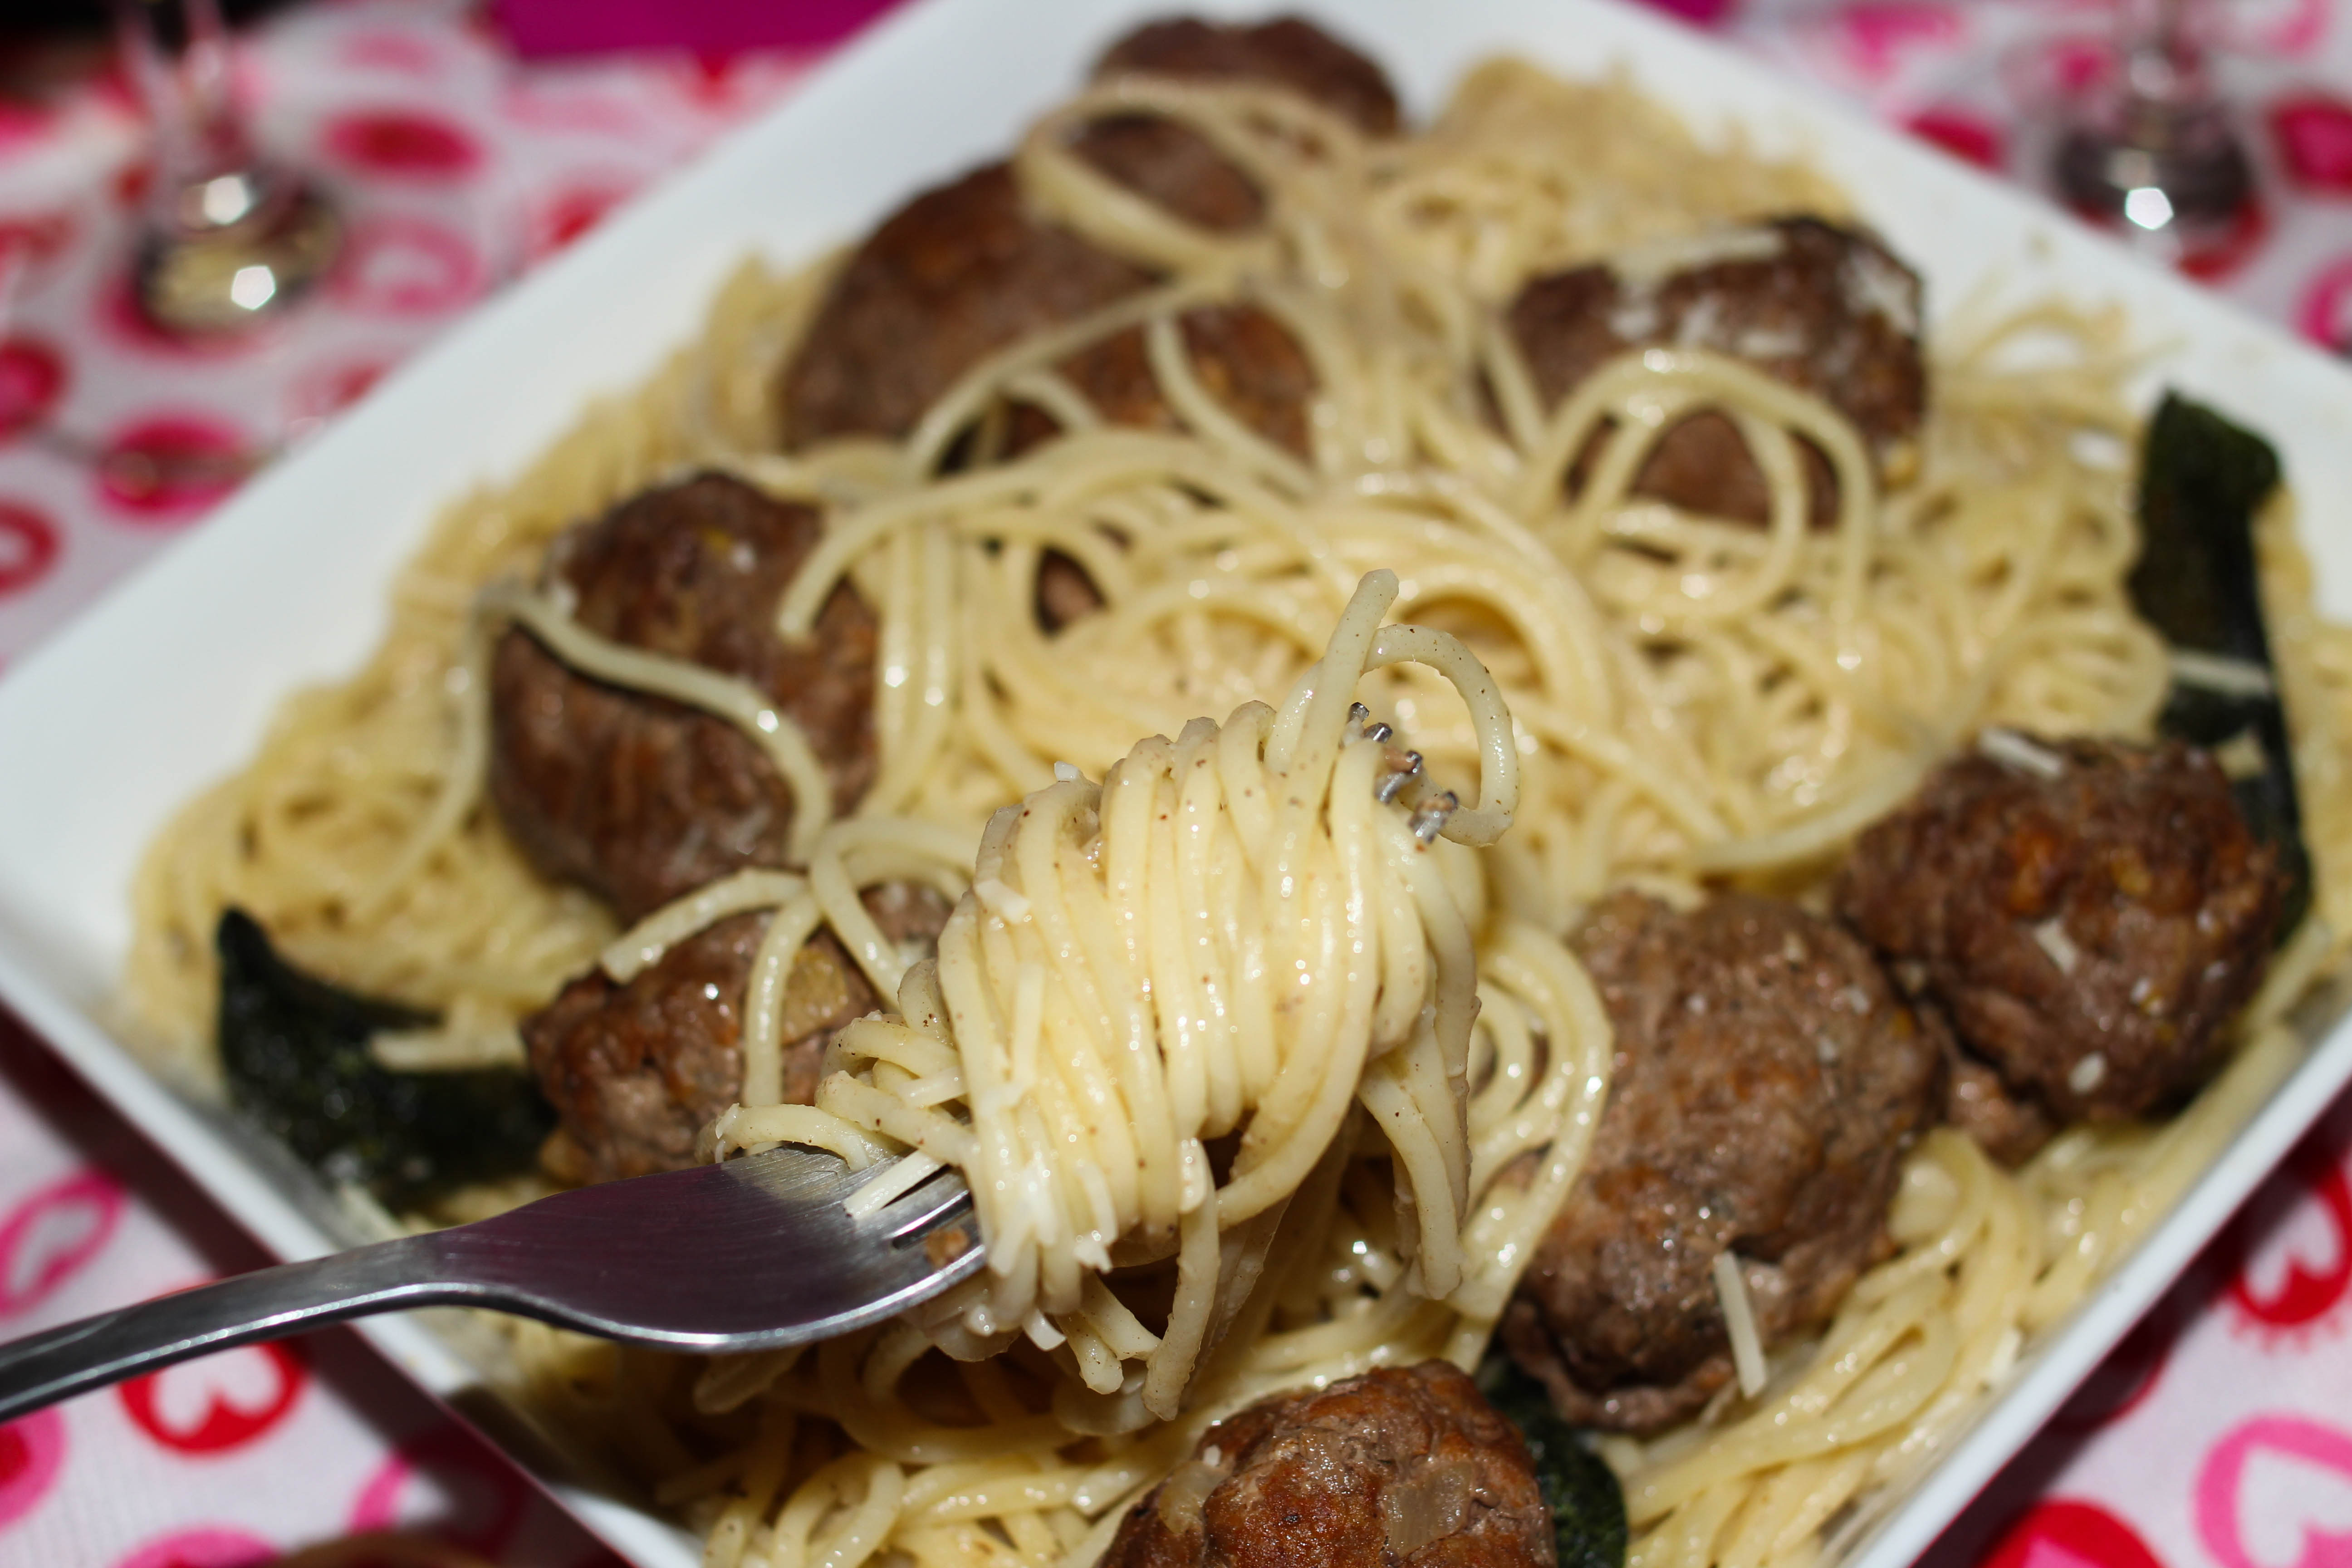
1064 591
955 274
1181 171
1287 51
1767 1082
2091 914
1825 309
965 269
1402 1466
640 799
635 1071
1242 356
2007 1125
962 272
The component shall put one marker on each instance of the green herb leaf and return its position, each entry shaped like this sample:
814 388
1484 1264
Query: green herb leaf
2203 483
295 1050
1587 1506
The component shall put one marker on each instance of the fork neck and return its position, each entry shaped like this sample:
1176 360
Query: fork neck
243 1310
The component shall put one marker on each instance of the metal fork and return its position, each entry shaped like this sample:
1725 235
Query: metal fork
754 1254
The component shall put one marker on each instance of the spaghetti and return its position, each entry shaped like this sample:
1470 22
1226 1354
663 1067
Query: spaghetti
1687 698
1233 935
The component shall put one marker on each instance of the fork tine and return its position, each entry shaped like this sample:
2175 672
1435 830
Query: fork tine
941 1197
1394 784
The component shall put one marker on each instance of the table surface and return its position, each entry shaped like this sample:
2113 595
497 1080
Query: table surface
2219 1434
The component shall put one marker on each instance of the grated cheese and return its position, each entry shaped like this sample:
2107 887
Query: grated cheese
2009 747
2051 934
2088 1073
2221 673
1739 1318
2242 756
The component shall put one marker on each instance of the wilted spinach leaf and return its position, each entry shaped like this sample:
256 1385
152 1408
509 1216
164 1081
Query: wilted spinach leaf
1587 1506
2204 482
295 1050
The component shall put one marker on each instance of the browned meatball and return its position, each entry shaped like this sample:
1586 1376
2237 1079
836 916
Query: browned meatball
639 799
1064 591
1182 170
1825 309
2007 1125
2090 934
1288 51
965 269
955 274
1402 1466
635 1071
1767 1082
962 272
1243 357
1176 166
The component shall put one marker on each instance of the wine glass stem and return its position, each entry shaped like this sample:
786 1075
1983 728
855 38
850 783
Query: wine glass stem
2161 54
190 98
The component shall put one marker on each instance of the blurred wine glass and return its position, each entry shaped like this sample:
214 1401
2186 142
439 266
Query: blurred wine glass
2151 150
228 237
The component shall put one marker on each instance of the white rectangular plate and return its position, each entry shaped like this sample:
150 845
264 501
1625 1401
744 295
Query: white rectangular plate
166 686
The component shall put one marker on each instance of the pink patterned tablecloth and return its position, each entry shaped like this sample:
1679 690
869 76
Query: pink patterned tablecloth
2221 1435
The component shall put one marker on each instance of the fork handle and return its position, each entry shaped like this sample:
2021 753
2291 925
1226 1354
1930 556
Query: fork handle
243 1310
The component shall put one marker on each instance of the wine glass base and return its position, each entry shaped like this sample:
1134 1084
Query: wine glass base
2173 176
226 279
